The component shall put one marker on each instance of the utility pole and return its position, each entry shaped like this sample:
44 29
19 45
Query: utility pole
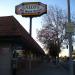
70 39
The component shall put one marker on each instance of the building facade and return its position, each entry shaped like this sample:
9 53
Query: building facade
16 46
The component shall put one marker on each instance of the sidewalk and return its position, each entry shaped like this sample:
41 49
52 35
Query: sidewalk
46 69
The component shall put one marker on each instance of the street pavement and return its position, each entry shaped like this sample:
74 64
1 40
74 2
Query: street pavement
46 69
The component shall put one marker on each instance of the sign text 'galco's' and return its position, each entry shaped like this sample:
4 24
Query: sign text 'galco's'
31 9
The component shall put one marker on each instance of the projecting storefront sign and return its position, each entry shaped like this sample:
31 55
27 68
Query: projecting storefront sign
31 9
28 9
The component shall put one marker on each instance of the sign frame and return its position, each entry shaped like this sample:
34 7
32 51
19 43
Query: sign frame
39 9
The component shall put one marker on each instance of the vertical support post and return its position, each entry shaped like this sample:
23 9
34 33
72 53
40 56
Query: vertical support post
30 35
30 61
11 48
30 26
70 53
13 62
70 40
